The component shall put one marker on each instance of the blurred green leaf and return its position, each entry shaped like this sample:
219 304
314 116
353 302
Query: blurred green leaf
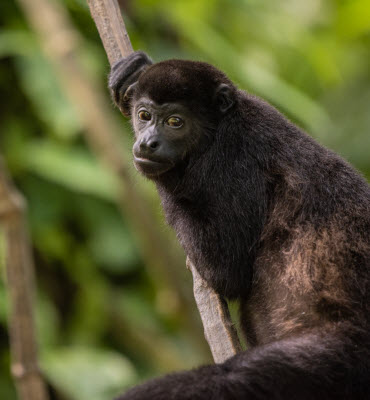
47 322
88 373
7 390
41 86
16 42
112 247
353 18
90 319
73 168
3 305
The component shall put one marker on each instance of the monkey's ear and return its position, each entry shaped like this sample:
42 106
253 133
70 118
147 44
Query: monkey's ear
123 78
225 97
125 102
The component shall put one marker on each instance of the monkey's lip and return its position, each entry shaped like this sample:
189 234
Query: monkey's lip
151 167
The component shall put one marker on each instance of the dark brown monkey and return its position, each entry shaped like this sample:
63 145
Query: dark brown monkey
270 218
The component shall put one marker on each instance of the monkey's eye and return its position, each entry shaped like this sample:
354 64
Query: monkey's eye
144 116
174 122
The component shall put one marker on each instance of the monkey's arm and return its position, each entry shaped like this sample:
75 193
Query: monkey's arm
312 366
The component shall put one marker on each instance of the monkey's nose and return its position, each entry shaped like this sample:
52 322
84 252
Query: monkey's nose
150 145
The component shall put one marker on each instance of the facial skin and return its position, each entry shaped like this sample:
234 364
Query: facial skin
162 134
166 133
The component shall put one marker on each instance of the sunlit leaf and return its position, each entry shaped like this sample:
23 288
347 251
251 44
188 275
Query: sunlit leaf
353 18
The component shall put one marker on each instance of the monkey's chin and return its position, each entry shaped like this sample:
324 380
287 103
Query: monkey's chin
151 169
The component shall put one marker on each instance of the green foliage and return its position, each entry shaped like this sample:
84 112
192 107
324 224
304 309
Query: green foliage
88 373
101 324
73 168
40 85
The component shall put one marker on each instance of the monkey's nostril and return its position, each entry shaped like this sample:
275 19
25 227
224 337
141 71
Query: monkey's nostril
154 144
150 145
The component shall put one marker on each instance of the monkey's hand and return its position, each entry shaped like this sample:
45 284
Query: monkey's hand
123 77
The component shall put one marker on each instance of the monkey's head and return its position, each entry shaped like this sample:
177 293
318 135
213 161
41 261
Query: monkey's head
174 106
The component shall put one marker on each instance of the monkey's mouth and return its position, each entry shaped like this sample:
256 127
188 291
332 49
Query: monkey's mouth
151 168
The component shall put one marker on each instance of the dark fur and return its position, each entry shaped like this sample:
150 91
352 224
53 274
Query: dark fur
275 220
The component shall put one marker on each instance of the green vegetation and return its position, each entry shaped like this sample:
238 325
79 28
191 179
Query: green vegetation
103 321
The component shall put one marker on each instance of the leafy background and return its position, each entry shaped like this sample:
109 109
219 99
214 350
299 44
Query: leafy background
103 322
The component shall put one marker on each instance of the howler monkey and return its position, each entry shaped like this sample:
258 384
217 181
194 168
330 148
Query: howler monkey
270 218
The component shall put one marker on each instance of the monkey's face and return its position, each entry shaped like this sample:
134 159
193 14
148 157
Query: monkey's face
164 135
174 105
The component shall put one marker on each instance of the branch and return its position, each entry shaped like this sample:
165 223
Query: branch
112 30
20 284
219 330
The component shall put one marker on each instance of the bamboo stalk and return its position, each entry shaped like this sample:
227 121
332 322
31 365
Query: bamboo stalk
219 330
20 288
